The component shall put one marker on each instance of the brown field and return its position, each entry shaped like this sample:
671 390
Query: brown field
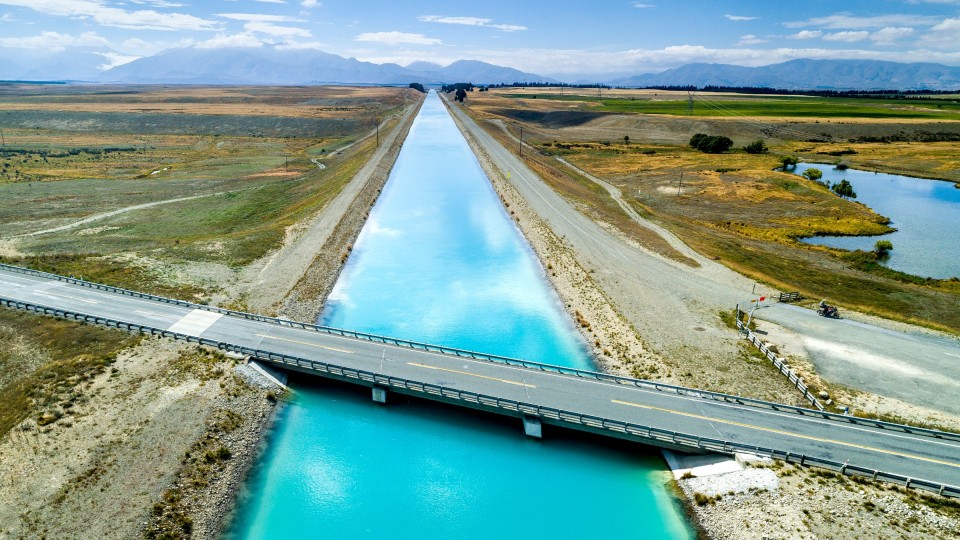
299 102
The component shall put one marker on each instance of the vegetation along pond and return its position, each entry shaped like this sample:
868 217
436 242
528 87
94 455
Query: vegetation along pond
926 214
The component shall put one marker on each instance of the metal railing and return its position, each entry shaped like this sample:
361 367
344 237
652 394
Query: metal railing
781 366
451 351
638 432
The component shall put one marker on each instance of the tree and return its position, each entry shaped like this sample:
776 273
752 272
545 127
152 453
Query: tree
844 189
813 174
461 95
711 144
626 139
882 248
418 87
756 147
788 162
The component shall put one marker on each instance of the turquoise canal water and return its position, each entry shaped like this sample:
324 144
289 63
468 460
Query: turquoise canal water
439 260
926 214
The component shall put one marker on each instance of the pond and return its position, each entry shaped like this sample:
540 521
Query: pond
926 214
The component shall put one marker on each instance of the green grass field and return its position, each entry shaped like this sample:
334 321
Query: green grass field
771 106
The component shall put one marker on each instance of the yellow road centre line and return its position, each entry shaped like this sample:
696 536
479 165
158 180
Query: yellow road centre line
304 343
790 434
471 374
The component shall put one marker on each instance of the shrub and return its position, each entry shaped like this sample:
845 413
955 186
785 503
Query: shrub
756 147
813 174
883 248
844 189
788 162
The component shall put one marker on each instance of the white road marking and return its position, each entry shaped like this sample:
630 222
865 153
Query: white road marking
196 322
953 355
61 295
12 284
156 315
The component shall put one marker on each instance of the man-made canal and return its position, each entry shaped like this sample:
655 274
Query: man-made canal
440 260
926 214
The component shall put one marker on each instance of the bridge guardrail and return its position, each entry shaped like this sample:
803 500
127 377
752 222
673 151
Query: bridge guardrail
604 377
781 366
561 416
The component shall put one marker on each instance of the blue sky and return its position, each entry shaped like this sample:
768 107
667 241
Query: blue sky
551 38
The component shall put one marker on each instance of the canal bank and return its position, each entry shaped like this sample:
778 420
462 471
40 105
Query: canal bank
335 459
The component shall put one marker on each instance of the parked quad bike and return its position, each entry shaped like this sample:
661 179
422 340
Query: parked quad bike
830 312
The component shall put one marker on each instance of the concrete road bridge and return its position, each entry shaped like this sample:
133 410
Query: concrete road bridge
642 411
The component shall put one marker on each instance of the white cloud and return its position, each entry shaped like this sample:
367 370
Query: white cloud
847 36
115 59
310 3
54 41
275 30
270 1
396 38
98 12
943 35
258 17
293 45
643 6
806 34
139 47
156 3
890 34
750 39
847 21
471 21
740 18
222 41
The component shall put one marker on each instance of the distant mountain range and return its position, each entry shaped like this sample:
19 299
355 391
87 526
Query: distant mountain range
274 65
261 65
808 74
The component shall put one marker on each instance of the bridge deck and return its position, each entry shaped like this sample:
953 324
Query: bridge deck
618 407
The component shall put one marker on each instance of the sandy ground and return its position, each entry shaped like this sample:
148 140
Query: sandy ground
97 472
805 504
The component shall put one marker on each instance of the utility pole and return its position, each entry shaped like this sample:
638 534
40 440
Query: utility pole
690 103
681 185
521 141
378 134
2 140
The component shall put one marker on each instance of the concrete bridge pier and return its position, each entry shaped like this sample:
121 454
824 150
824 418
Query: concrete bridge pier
532 427
379 394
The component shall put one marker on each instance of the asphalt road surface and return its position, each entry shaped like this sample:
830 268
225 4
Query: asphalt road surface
923 369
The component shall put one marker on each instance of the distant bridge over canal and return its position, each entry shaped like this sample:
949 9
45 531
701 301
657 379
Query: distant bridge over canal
641 411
